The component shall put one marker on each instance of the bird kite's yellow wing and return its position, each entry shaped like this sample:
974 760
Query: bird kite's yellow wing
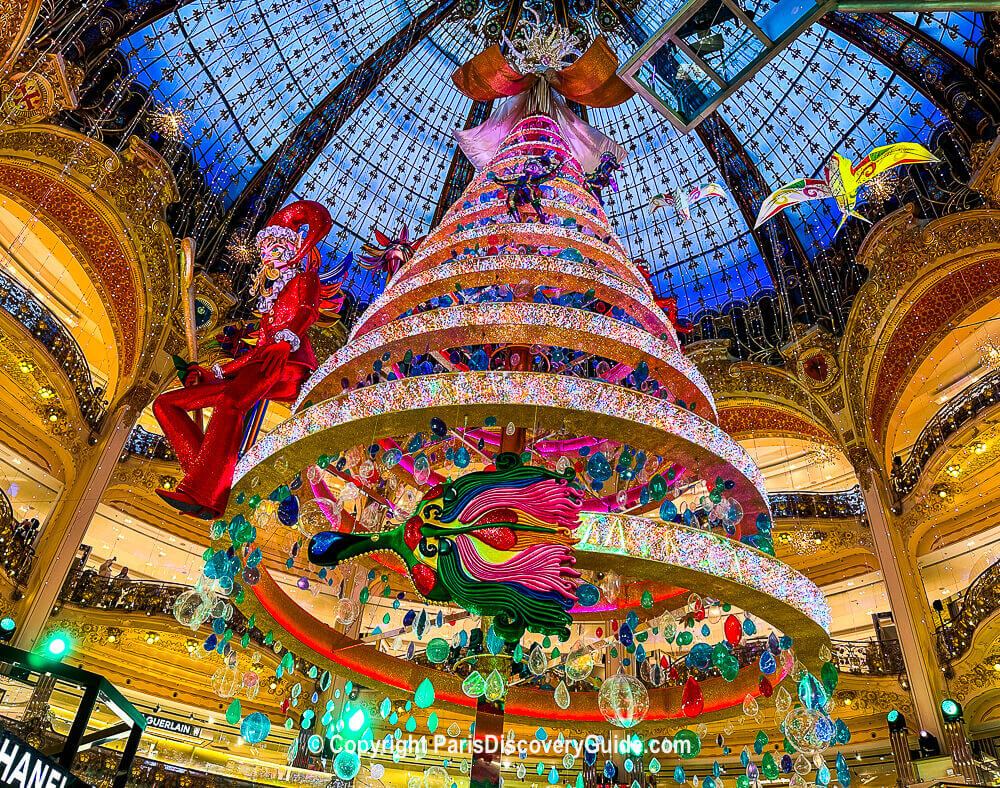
889 156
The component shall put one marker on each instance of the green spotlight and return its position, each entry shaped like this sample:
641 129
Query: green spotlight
8 627
896 721
951 710
56 646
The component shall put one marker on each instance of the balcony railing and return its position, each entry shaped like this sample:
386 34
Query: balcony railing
848 504
85 589
962 408
17 555
869 657
57 340
144 443
980 600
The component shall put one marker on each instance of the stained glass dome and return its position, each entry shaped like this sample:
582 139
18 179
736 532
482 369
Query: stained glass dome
246 72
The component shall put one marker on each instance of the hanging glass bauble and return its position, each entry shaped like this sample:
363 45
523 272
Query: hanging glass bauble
579 661
318 514
474 684
436 777
226 681
537 661
346 764
562 695
192 608
782 701
611 587
623 700
809 731
347 611
495 688
255 728
692 700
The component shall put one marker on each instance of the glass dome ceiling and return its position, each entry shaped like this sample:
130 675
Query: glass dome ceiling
247 71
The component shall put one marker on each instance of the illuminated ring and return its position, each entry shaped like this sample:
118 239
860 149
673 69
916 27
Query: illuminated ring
499 208
515 323
402 296
526 233
555 402
700 561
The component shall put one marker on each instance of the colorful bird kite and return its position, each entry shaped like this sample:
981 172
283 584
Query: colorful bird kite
682 199
841 180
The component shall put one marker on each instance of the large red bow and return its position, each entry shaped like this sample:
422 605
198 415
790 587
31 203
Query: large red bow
592 80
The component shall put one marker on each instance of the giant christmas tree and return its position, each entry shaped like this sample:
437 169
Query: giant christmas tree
512 411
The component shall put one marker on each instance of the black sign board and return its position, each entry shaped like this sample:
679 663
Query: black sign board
22 766
173 726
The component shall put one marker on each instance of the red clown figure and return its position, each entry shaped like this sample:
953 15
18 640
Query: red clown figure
289 292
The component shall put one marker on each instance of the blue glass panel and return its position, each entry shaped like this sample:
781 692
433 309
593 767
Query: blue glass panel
704 262
959 31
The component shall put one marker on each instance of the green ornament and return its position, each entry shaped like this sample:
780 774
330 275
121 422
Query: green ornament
828 675
364 595
495 687
474 684
684 638
437 650
234 712
687 744
760 742
768 767
424 696
646 600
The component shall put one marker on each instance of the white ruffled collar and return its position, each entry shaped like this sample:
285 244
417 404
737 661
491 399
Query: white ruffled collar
266 300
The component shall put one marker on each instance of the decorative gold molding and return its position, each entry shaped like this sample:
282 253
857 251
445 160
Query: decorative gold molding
37 87
770 387
977 679
17 17
835 537
903 256
873 701
112 208
986 178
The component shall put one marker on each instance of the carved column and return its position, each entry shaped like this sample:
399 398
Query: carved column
908 603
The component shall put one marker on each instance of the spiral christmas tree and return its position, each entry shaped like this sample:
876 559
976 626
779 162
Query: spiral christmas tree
513 448
519 353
